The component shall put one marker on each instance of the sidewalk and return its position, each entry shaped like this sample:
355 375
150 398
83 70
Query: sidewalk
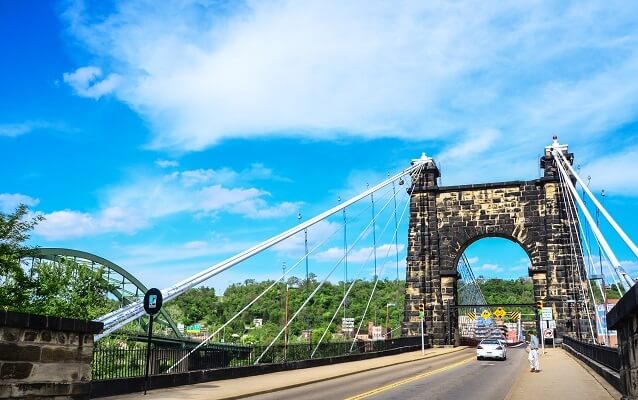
561 377
241 387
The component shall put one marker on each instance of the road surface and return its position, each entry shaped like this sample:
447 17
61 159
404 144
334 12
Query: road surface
455 376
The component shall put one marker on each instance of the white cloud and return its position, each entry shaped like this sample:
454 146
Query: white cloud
616 173
413 70
9 201
166 163
86 82
358 255
487 267
130 207
13 130
472 260
474 144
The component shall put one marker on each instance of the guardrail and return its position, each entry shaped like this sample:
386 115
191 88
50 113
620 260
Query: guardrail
115 363
607 356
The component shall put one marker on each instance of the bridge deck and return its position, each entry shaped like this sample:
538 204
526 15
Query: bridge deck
561 378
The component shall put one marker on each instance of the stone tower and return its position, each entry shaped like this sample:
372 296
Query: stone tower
445 220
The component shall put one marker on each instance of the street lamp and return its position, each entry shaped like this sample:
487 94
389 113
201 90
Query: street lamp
387 330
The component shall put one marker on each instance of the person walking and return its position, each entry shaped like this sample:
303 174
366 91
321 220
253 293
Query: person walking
532 357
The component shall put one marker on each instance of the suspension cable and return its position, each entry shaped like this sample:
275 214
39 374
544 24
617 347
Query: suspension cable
115 320
625 281
361 235
602 209
281 279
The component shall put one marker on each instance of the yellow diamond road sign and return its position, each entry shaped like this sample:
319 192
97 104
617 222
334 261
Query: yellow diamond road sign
500 312
486 314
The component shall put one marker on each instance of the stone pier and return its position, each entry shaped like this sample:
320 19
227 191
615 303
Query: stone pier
43 357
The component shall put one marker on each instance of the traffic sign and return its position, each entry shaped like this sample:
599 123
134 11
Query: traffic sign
514 315
152 301
486 314
547 314
471 315
347 323
500 312
421 314
548 333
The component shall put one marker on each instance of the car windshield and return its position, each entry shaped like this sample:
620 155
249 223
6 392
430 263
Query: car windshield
490 341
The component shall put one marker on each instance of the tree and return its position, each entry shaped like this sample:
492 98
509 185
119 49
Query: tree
70 289
15 285
197 305
64 287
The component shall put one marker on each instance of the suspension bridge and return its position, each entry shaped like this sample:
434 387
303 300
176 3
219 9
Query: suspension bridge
409 216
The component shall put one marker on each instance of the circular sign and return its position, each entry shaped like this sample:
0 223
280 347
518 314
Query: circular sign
548 333
486 314
152 301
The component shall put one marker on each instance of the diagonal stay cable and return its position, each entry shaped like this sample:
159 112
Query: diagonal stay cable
361 235
274 283
350 288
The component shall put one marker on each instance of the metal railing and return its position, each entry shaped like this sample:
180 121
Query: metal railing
112 363
607 356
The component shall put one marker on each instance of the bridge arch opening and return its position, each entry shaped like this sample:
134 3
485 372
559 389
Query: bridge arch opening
492 270
496 256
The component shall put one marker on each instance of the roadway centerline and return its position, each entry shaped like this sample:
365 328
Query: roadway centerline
408 380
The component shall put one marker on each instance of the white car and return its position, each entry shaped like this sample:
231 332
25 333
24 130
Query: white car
491 348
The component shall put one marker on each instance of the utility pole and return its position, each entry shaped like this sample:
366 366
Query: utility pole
305 241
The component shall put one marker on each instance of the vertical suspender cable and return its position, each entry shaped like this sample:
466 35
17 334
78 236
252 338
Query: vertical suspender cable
319 286
396 249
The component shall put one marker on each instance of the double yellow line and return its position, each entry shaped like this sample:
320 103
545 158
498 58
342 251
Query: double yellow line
408 380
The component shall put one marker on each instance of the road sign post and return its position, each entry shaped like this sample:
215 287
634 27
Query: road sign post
422 317
152 305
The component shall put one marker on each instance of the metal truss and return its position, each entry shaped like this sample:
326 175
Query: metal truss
125 289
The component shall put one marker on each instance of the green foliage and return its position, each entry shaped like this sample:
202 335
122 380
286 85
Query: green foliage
15 285
64 287
70 289
197 305
271 308
503 291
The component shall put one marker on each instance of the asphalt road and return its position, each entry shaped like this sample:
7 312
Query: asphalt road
455 376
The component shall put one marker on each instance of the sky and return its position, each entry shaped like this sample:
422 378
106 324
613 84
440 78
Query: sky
167 136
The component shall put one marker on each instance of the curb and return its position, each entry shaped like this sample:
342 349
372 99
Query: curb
456 350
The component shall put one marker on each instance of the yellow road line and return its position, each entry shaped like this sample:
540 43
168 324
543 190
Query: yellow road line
408 380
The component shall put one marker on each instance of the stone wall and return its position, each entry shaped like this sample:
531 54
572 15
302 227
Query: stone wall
45 357
444 221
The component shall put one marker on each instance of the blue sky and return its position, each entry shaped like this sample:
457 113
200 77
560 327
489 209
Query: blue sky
167 136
